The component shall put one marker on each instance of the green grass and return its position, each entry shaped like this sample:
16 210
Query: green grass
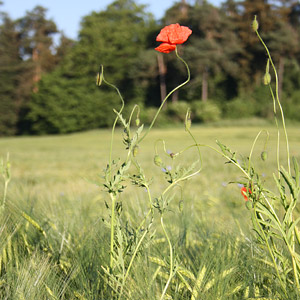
54 181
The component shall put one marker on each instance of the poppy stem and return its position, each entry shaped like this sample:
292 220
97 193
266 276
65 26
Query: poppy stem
166 98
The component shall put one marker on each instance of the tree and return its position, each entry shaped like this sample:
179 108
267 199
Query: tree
212 47
114 38
37 43
10 75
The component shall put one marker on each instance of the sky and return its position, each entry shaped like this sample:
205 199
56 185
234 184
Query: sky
67 14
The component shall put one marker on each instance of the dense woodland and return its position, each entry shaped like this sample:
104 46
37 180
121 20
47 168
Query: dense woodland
48 87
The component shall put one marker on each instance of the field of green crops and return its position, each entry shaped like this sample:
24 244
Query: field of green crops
54 236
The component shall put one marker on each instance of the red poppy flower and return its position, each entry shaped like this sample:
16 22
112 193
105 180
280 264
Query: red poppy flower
165 48
171 36
244 192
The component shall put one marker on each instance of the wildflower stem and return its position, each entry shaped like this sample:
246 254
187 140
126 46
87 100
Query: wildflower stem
140 241
131 114
253 145
170 93
5 170
114 124
278 132
270 251
171 258
5 193
198 148
278 101
112 229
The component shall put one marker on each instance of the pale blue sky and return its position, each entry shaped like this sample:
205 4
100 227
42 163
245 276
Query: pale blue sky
67 14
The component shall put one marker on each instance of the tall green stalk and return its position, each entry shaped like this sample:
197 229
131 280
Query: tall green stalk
171 272
170 93
277 100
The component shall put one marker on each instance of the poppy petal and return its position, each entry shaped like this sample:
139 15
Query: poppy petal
244 193
165 48
174 34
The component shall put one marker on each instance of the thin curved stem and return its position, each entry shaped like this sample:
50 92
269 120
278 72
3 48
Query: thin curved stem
278 101
112 229
140 241
198 148
253 145
270 252
171 258
114 124
278 132
170 93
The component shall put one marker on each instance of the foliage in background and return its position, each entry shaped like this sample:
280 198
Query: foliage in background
226 70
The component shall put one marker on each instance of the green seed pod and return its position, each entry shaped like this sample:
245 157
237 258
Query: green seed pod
99 76
180 205
158 160
264 155
188 121
135 151
249 205
99 79
137 122
267 79
255 24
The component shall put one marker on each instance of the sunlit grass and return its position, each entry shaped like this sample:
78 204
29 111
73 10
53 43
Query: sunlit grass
54 180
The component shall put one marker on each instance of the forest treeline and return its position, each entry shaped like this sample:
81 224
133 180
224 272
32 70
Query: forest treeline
48 87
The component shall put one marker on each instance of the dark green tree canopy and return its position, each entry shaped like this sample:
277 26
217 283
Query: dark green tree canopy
51 89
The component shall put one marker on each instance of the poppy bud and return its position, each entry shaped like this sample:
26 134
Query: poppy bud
264 155
249 205
99 76
267 76
137 122
157 160
135 151
267 79
188 121
254 24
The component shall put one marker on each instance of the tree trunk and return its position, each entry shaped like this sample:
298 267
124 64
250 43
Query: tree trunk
37 72
183 9
162 70
175 96
280 75
204 85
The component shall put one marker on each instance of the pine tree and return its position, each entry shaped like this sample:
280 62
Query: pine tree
10 75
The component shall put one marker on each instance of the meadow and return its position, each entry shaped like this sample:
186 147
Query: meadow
54 234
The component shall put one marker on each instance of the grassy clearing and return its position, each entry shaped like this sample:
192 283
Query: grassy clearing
60 257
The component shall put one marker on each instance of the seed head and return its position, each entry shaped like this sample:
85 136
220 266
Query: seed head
99 76
188 121
264 155
180 205
255 24
267 79
158 160
135 150
267 76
